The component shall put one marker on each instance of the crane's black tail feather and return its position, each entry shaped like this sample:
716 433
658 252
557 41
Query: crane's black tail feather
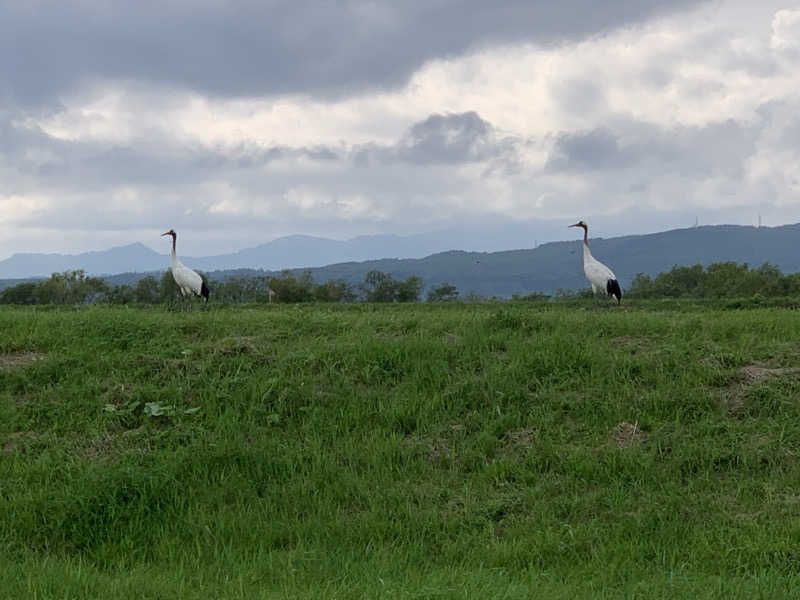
613 289
204 290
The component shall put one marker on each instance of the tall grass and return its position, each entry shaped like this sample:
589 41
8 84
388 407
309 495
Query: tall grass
400 451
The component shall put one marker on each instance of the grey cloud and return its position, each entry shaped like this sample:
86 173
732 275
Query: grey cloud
783 118
83 165
448 138
86 165
694 171
717 148
580 96
410 185
286 46
451 138
236 187
593 149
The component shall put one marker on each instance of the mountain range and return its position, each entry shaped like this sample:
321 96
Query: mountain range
546 268
294 251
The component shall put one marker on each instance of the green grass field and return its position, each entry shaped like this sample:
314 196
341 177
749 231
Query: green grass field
496 450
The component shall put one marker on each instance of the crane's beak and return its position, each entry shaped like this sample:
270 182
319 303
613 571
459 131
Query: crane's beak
163 234
574 225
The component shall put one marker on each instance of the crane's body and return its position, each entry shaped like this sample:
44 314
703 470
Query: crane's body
189 282
598 274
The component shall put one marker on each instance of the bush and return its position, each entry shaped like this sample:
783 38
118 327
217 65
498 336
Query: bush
718 280
443 293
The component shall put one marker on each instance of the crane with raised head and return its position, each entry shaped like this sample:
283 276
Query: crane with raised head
189 281
599 275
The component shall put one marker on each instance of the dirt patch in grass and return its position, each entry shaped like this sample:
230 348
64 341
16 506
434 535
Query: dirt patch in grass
754 373
17 439
238 345
734 396
520 438
626 434
628 342
452 338
19 360
436 449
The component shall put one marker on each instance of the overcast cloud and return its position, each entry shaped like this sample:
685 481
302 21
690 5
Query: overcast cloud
236 123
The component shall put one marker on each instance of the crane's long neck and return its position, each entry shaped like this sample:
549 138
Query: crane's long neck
172 255
587 254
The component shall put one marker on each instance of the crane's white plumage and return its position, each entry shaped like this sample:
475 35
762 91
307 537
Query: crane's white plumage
189 282
599 275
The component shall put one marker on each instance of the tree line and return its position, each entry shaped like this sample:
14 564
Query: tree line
76 287
718 280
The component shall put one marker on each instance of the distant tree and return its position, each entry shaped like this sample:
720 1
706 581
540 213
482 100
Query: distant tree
771 281
334 291
22 293
70 287
641 286
168 289
255 289
233 289
290 289
379 287
147 291
718 280
727 280
785 285
408 290
122 294
534 297
563 294
443 293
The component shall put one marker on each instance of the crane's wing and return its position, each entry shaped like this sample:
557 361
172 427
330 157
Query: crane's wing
597 273
186 278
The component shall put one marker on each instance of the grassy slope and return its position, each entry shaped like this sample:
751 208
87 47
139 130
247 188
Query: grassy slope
414 451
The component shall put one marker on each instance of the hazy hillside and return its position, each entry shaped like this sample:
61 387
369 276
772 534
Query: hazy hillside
133 257
544 269
292 251
558 264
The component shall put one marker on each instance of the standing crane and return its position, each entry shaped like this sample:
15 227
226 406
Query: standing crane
599 275
189 282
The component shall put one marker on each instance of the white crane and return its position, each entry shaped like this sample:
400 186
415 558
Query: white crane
189 282
599 275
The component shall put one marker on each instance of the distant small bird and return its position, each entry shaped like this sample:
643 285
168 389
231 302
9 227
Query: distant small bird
599 275
189 282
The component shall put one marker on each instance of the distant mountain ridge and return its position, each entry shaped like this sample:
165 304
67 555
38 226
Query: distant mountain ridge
558 265
133 257
547 268
292 251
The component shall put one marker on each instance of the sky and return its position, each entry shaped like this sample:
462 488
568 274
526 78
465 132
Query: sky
236 123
